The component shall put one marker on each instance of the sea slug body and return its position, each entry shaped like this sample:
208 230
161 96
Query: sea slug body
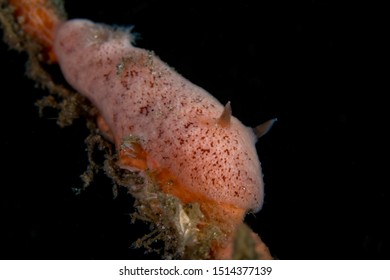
196 166
189 139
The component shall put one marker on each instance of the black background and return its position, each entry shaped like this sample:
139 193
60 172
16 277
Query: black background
315 66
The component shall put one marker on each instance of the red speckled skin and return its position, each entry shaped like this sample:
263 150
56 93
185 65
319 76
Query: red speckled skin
137 94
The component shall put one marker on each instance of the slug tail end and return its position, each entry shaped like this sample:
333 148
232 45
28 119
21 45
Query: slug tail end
39 20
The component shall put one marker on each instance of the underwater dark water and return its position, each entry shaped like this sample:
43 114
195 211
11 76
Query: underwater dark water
309 65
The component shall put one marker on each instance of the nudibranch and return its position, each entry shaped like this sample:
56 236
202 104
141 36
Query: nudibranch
164 128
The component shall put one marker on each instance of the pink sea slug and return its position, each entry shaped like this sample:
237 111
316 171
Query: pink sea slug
197 150
164 127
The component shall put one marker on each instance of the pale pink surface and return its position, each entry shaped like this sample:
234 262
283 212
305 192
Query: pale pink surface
137 94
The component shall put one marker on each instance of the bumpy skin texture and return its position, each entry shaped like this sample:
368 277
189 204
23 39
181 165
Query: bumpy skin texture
176 121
